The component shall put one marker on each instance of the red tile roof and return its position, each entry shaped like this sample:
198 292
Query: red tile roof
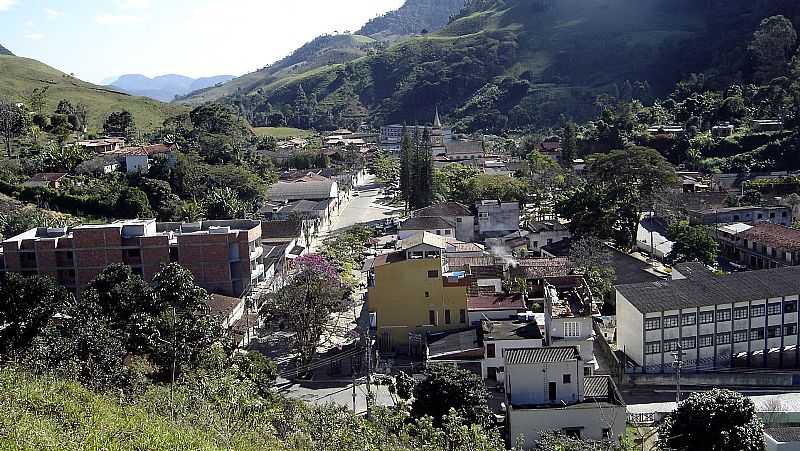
774 235
496 302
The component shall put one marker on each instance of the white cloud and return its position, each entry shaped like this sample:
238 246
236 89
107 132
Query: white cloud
115 19
53 13
134 4
5 5
34 36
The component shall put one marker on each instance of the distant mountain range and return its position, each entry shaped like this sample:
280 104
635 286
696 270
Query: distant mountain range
165 87
5 51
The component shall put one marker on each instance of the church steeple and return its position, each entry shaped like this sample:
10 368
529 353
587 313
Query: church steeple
437 123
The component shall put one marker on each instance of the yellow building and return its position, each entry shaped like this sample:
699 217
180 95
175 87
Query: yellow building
411 292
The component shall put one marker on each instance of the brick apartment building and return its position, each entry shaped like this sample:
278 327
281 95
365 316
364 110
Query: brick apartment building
225 257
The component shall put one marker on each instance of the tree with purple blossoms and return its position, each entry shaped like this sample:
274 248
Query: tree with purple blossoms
312 293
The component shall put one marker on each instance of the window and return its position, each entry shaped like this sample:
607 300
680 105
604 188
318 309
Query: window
459 220
739 336
670 321
670 345
740 313
689 342
706 317
654 347
567 379
427 294
724 315
789 306
705 341
757 310
773 331
757 333
447 232
433 274
432 317
462 316
790 329
606 433
652 323
483 214
490 351
535 244
572 329
447 316
688 319
723 338
774 308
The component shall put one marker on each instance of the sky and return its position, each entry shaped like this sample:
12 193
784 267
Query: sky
100 39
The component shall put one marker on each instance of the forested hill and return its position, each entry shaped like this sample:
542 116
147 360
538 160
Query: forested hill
5 51
414 17
509 64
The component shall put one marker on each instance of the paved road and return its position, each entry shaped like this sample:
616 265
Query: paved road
337 393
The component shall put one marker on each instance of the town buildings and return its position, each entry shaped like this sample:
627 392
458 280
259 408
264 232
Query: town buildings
411 292
545 233
747 215
761 246
391 136
225 257
46 180
500 336
712 318
311 187
547 390
456 214
140 159
496 218
102 145
430 224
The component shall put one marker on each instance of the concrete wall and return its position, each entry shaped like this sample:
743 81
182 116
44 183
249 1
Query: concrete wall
713 379
629 329
500 346
528 384
590 419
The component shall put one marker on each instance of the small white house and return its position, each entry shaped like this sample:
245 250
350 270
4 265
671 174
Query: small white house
546 390
498 336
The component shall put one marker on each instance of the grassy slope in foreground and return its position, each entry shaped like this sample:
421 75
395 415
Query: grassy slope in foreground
19 76
282 132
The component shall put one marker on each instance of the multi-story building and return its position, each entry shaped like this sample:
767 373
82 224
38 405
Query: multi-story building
747 215
391 136
761 246
225 257
496 218
711 318
546 390
569 311
499 336
410 291
545 233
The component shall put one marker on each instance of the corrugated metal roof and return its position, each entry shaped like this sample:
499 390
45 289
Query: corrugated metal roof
524 356
596 386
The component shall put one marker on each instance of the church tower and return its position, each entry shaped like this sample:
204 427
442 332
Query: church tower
437 136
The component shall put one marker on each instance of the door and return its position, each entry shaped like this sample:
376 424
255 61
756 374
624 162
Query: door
491 373
551 391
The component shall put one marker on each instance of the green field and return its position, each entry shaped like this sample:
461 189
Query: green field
282 132
19 76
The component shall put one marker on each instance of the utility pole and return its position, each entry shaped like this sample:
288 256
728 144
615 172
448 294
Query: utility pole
677 363
353 371
369 370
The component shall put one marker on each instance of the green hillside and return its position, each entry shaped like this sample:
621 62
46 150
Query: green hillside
324 51
39 413
20 76
510 64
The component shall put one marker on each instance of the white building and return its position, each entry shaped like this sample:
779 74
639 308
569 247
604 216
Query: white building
569 309
139 159
546 390
456 214
712 318
545 233
499 336
434 225
497 219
